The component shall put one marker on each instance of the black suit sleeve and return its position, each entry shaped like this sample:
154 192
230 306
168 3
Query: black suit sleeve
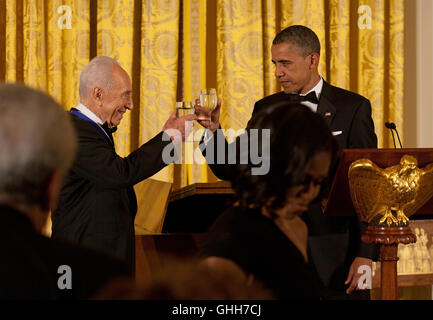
365 250
257 106
362 133
98 162
219 146
215 153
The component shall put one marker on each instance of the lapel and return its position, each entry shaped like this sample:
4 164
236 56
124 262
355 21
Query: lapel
325 107
111 137
107 135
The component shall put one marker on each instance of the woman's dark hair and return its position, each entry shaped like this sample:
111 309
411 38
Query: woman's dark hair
297 134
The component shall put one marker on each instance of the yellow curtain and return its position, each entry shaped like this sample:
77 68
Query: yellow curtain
198 45
172 49
39 52
115 21
159 69
362 51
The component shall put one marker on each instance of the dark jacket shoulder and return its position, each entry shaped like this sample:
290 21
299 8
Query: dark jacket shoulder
273 99
339 96
37 267
84 129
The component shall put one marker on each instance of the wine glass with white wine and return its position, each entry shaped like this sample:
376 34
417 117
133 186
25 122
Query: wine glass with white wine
208 99
213 99
184 108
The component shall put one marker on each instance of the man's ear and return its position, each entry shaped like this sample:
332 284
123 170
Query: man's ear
315 58
97 95
52 190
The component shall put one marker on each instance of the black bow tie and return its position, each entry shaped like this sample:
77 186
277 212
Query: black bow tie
293 97
107 129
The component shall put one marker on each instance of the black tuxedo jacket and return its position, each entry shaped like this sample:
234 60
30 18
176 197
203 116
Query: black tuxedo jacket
97 203
334 241
344 111
348 115
30 262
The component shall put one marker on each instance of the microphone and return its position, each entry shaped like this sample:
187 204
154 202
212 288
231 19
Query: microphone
392 126
389 126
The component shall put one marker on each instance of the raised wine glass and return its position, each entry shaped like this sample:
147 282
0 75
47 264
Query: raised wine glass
213 99
208 99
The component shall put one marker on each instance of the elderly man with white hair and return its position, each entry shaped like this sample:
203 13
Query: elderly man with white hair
37 146
97 203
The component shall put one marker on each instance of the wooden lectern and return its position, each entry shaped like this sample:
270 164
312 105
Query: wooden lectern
194 208
340 204
190 212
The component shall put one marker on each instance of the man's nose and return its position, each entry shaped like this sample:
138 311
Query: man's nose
130 104
278 71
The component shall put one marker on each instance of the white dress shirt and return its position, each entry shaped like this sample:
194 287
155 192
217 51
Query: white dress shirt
318 90
89 114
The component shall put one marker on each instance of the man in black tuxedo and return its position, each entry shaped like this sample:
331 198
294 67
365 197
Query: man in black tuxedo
335 243
97 203
37 146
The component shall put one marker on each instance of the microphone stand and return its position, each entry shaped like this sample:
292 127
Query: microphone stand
393 139
398 137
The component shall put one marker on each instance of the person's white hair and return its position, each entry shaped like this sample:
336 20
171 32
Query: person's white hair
97 73
36 138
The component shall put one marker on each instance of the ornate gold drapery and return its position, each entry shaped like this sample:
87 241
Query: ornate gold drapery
173 48
362 51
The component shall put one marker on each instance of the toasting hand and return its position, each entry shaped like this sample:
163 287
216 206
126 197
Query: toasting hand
179 127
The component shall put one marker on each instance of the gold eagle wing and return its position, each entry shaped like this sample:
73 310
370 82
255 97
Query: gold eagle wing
367 184
425 190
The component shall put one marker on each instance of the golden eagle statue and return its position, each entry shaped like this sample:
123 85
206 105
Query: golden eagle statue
392 194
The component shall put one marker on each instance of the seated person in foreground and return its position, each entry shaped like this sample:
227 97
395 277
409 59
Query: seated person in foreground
183 279
261 237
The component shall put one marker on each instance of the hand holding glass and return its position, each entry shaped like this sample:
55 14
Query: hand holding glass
184 108
208 99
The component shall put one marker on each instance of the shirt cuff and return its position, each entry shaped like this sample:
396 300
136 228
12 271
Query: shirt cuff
207 136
